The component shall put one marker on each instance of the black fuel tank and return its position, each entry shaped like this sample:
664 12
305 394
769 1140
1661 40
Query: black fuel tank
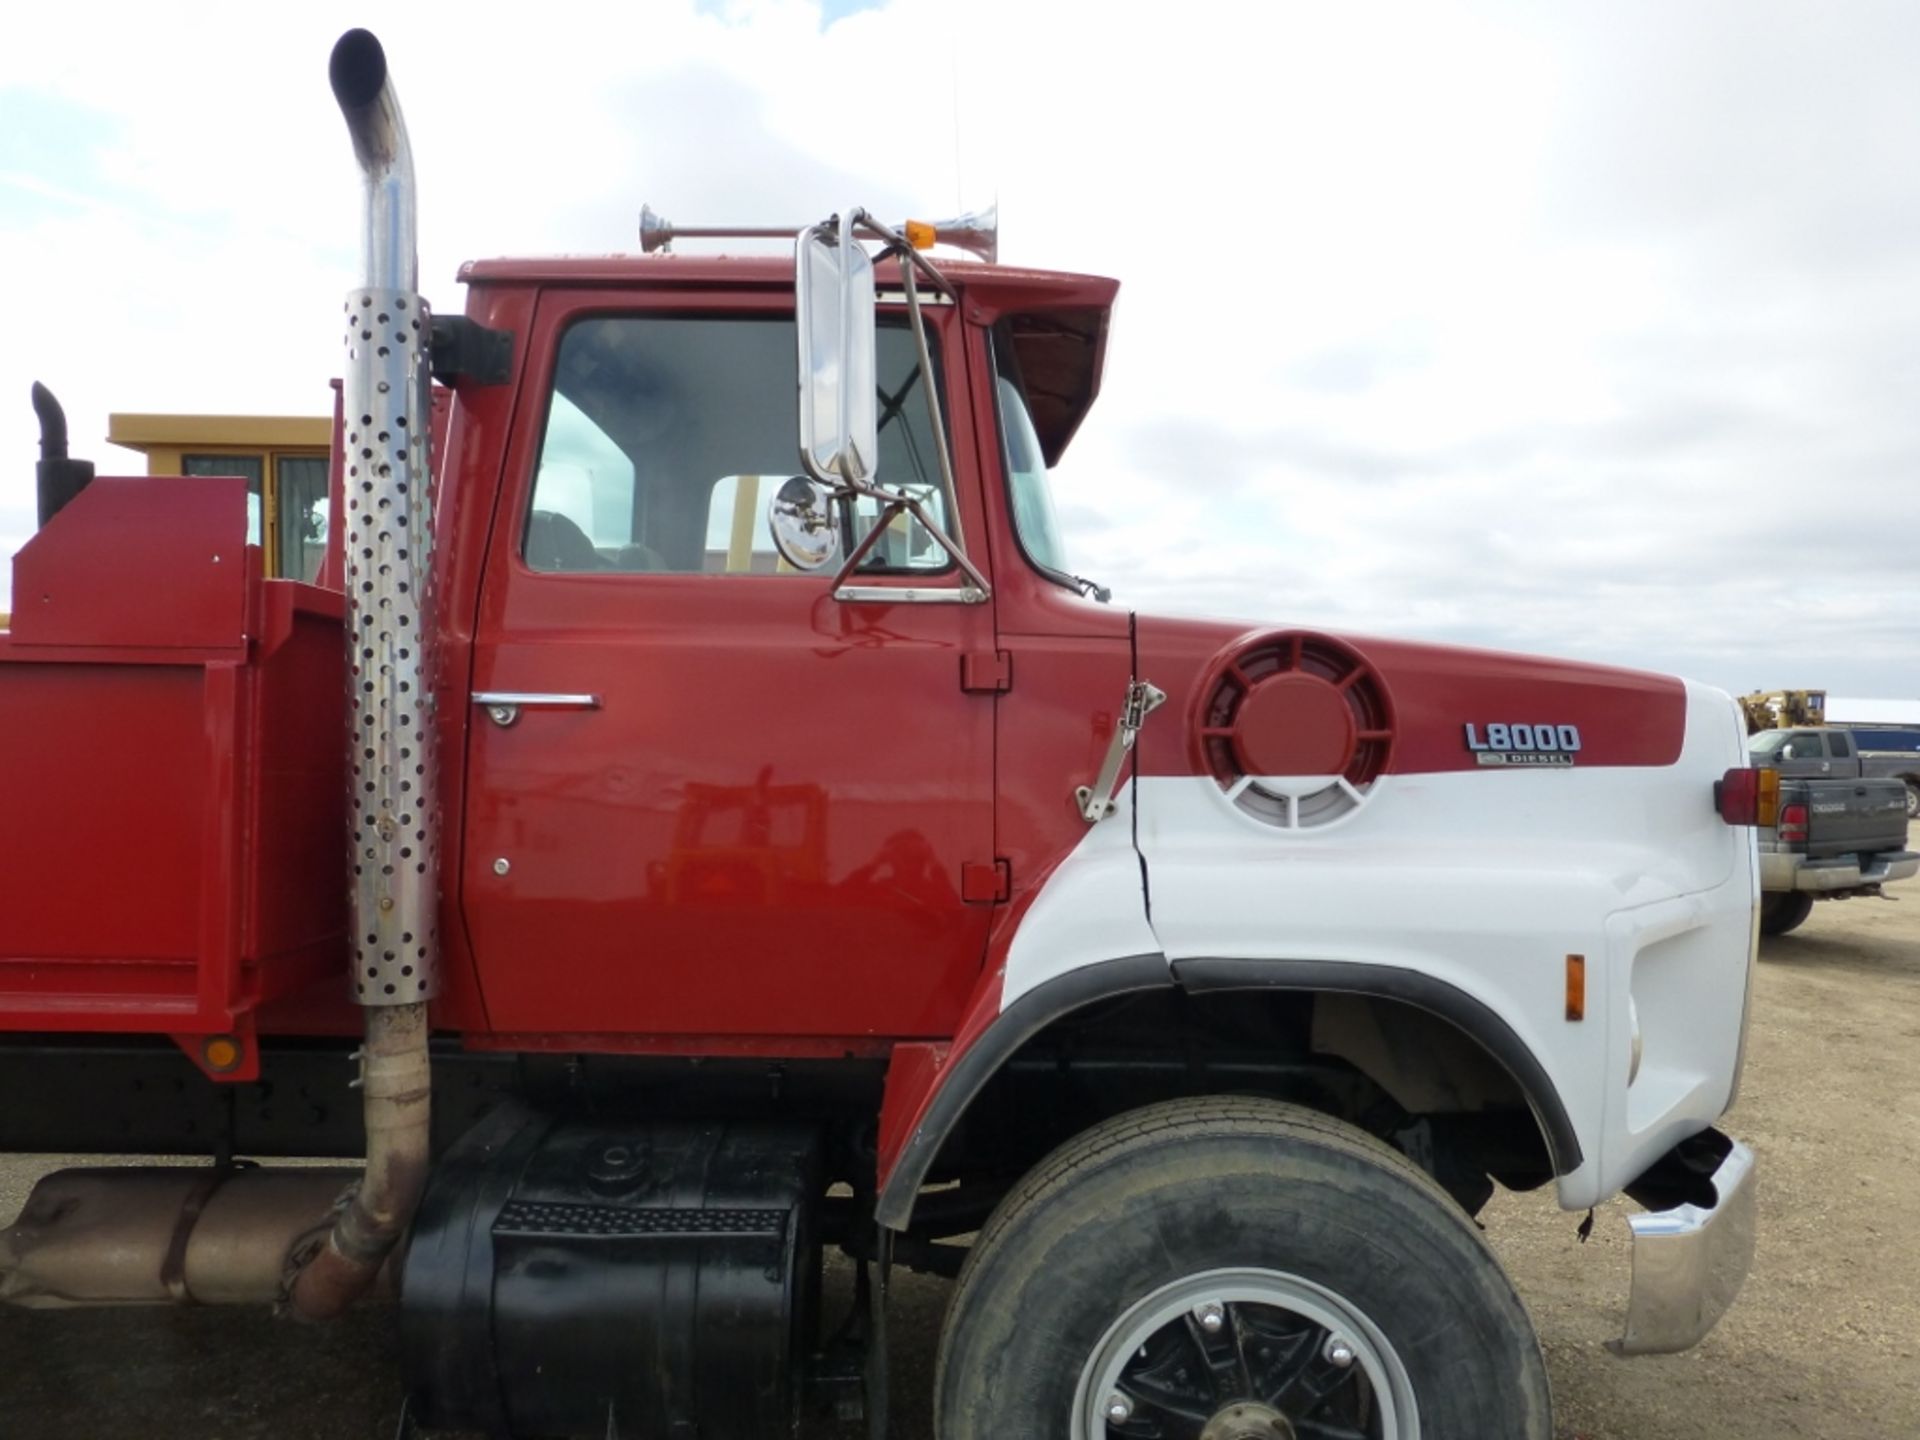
593 1277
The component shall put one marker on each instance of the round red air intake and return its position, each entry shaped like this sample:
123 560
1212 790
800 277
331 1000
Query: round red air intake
1282 710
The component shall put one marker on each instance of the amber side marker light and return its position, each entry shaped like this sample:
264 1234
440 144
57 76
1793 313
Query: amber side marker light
920 234
1748 796
222 1053
1576 987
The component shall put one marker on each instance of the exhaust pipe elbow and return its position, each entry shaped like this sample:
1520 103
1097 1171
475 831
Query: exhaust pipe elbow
361 84
396 1081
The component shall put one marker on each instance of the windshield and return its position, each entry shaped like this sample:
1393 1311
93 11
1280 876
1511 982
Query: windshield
1027 482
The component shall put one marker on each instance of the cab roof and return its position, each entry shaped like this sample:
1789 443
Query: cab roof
1055 321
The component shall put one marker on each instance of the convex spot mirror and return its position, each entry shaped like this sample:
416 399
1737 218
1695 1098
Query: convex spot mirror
834 296
800 515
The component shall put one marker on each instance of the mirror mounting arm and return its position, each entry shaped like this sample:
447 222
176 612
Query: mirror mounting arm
898 244
936 420
867 541
895 503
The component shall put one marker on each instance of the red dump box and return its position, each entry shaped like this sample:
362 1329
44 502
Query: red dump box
172 795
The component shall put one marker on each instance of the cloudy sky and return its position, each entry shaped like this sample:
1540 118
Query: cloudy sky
1589 329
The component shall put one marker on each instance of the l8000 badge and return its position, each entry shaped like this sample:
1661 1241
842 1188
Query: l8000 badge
1529 745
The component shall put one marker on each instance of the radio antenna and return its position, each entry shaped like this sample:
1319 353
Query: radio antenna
959 168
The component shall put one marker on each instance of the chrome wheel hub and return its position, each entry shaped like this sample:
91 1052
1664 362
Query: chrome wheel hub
1248 1421
1244 1355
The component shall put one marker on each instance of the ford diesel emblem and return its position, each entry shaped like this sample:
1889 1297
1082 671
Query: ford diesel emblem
1512 744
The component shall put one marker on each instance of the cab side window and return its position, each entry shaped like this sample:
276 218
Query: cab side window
667 435
1803 747
583 500
1842 746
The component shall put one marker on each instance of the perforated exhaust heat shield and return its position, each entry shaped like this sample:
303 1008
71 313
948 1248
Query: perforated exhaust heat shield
391 624
394 814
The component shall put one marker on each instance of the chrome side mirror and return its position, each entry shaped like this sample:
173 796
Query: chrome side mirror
834 294
800 517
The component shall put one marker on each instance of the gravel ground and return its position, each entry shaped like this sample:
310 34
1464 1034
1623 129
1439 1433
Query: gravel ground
1825 1341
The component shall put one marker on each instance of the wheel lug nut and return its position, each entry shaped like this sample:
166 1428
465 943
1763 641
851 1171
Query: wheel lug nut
1212 1316
1119 1408
1338 1352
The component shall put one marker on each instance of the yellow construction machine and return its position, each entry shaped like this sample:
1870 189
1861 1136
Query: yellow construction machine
1783 709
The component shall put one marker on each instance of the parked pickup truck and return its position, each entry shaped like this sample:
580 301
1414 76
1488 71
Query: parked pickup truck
1891 750
1842 827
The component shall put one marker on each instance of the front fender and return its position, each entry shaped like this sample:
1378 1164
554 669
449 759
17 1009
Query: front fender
930 1087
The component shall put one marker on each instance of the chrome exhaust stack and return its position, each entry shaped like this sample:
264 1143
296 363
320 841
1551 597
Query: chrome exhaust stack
244 1236
393 816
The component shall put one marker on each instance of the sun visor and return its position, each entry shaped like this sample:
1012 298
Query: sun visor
1060 353
1057 324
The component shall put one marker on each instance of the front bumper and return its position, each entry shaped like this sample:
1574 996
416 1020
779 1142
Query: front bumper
1782 870
1689 1262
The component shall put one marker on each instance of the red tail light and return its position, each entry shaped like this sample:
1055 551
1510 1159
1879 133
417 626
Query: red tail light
1748 796
1793 824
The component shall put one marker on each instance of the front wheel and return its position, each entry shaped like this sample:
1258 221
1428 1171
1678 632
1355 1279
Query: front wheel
1235 1269
1913 799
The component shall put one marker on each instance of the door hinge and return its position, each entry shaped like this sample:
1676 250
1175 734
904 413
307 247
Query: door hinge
986 882
986 670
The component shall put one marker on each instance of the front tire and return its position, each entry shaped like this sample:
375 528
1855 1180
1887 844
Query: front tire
1784 910
1225 1267
1913 799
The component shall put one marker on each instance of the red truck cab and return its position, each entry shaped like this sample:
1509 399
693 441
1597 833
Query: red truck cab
1209 974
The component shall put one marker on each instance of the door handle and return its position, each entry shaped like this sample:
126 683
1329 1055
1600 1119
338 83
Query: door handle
504 706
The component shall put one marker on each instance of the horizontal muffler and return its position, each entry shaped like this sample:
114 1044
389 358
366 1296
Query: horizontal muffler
207 1236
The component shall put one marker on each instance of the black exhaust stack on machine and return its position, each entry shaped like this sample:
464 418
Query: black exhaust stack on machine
57 477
